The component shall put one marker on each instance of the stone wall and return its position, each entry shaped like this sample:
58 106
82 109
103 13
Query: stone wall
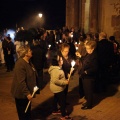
104 15
109 17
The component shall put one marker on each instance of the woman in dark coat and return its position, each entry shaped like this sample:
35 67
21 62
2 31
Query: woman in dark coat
64 53
24 81
88 72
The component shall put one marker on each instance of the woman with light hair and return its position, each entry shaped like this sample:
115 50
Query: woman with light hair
88 73
24 81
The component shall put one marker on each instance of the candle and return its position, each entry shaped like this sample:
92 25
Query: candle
49 46
34 90
60 41
71 36
76 48
72 63
76 43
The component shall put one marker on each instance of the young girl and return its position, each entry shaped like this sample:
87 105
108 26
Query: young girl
57 86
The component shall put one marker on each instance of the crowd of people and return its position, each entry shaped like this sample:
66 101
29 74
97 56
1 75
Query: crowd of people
95 56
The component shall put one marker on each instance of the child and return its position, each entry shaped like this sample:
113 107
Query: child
57 86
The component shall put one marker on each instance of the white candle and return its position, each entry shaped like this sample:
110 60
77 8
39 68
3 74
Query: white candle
72 63
34 90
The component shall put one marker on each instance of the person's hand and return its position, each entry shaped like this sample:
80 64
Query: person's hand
68 75
29 97
67 82
78 54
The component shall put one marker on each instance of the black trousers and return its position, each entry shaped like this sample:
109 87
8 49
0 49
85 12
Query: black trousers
60 98
88 90
9 59
21 106
81 90
103 79
39 80
66 90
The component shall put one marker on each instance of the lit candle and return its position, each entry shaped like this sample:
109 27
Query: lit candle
76 43
72 63
60 41
71 35
76 48
49 46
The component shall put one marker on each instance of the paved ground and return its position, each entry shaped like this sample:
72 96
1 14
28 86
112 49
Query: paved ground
107 105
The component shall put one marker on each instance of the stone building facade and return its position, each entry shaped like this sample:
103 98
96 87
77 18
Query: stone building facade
94 16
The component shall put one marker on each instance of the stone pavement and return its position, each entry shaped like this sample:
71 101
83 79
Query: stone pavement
107 105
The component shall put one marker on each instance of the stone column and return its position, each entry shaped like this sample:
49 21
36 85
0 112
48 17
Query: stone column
101 15
93 26
81 14
72 13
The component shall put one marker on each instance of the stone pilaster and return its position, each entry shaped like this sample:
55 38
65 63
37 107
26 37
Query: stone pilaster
82 14
93 26
72 13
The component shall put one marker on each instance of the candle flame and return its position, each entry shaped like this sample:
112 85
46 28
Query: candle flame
35 88
60 41
49 46
71 35
73 63
76 48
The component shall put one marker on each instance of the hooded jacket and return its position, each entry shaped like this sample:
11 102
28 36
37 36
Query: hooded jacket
57 79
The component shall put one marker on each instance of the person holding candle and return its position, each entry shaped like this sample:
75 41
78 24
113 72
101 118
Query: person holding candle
88 72
58 84
66 66
24 81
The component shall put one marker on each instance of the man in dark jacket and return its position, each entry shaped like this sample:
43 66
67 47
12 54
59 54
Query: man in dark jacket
9 51
105 58
38 62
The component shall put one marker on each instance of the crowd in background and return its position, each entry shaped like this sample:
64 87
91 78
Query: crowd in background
97 57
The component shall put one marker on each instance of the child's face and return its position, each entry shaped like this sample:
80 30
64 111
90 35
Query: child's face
65 52
60 61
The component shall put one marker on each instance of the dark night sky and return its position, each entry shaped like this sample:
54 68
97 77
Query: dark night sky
25 13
